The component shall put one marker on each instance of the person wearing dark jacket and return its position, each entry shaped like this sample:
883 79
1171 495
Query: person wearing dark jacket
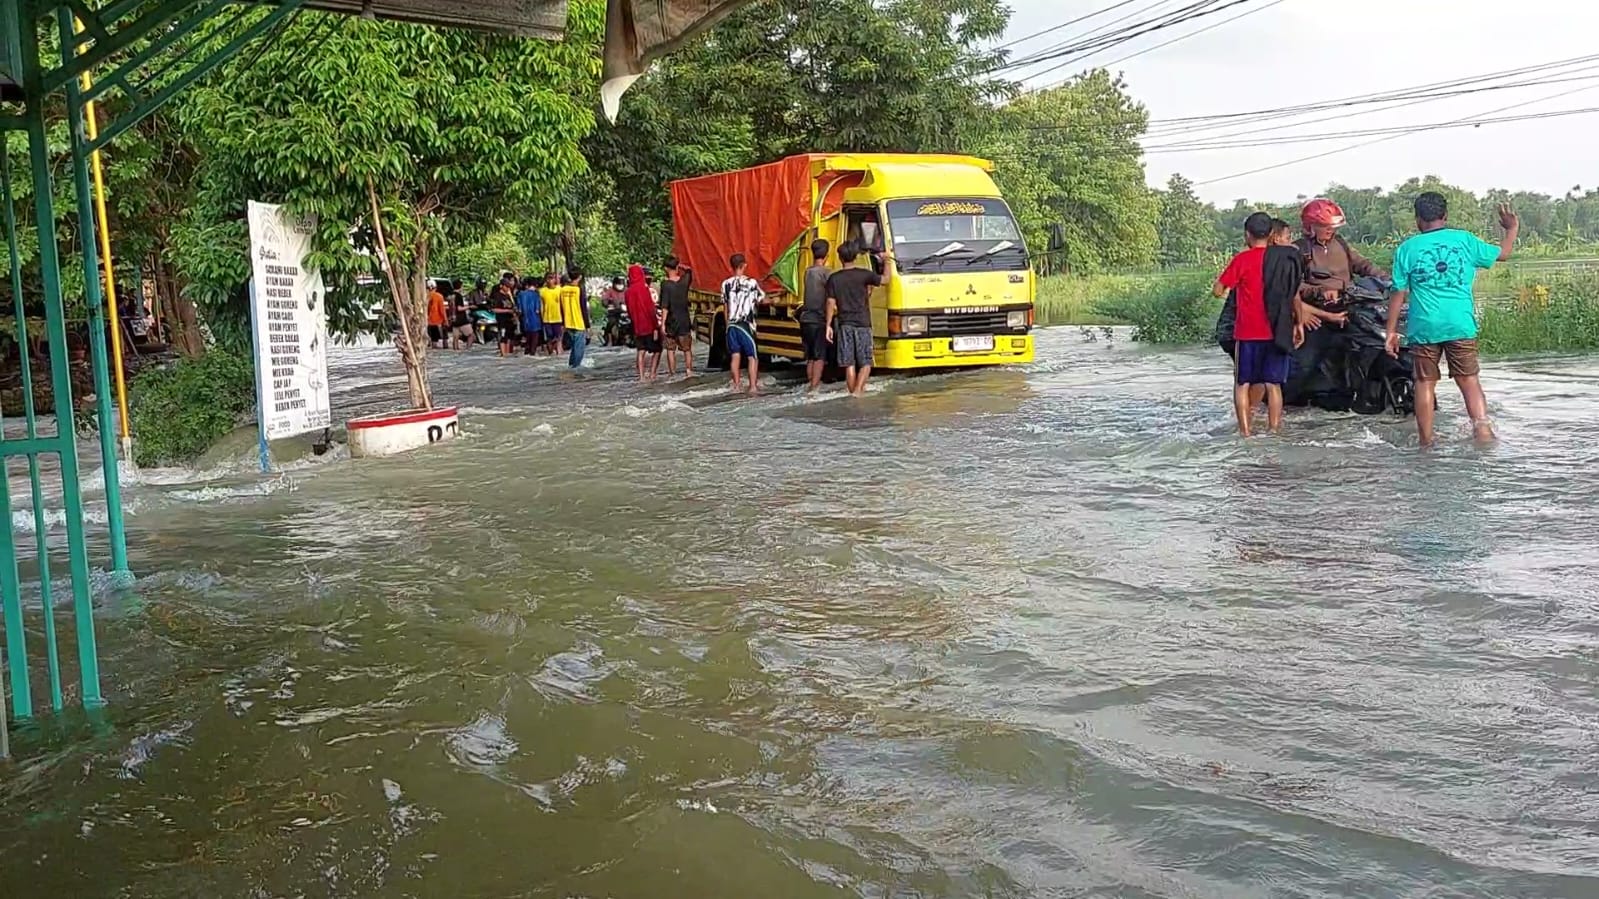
1259 360
1282 272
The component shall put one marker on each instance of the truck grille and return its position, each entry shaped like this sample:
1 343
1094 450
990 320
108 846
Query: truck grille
949 324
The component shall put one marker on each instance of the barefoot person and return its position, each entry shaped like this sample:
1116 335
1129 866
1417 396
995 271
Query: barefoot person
849 315
740 295
1435 271
1260 362
554 326
813 315
679 321
641 313
530 312
438 317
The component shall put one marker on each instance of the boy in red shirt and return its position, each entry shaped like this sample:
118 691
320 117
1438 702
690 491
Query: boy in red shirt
1260 359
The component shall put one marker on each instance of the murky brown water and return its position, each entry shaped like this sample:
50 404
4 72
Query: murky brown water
1039 632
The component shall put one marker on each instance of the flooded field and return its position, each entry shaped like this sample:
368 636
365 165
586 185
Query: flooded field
1051 631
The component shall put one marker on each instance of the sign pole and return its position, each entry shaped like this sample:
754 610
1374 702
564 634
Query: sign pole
288 326
262 447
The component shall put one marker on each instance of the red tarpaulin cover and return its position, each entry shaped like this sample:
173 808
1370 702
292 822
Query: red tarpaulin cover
759 212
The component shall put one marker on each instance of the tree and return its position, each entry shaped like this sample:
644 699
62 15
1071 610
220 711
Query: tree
1183 224
1070 156
801 76
860 75
399 138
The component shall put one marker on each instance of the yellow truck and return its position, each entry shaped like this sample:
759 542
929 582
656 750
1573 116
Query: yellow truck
960 288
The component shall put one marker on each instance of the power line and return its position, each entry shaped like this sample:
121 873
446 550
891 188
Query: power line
1186 14
1358 99
1336 151
1182 37
1280 127
1091 42
1397 131
1067 24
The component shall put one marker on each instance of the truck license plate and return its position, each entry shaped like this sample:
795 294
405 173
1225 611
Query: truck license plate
982 344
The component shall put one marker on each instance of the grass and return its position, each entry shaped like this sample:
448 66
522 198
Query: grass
1546 312
1163 307
1541 306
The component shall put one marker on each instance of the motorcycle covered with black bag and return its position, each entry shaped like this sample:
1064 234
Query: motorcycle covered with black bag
1347 368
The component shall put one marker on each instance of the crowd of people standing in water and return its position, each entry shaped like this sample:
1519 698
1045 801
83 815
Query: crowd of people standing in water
551 315
539 316
1278 289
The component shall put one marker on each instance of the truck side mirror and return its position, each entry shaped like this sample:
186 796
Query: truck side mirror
1057 238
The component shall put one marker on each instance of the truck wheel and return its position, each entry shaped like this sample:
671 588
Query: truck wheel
717 358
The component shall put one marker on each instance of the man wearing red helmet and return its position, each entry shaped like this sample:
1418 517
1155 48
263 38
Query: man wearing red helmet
1325 251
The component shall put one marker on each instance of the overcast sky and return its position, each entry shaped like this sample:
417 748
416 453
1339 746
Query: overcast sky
1293 52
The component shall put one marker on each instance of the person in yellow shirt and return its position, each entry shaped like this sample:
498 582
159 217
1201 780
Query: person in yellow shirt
550 296
575 313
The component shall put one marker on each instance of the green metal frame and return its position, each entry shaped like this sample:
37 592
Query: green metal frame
145 48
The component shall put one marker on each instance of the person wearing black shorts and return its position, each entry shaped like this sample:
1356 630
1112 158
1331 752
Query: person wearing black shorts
679 336
849 315
813 314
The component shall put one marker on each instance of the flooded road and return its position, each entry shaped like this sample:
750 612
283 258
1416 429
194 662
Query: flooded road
1051 631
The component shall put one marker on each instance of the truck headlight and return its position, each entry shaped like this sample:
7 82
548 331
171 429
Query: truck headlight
1016 320
913 325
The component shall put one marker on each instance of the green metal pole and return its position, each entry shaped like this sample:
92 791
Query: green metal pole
60 373
41 534
5 727
95 297
10 576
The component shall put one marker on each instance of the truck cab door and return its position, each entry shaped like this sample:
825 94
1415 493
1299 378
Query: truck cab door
864 225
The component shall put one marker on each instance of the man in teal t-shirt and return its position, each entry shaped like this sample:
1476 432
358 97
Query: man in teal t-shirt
1435 270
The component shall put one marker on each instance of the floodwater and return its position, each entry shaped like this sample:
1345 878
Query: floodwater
1050 631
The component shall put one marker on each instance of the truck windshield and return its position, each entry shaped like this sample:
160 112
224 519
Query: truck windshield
947 233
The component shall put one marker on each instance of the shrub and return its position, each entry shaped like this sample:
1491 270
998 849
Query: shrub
1546 313
1069 299
180 410
1175 307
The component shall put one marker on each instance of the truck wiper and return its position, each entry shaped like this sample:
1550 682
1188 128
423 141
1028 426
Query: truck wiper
941 252
993 250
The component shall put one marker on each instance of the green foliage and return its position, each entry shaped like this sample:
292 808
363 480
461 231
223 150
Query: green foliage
601 249
1175 307
447 132
857 75
180 410
502 249
782 77
1070 299
1069 156
1551 312
1183 224
1379 219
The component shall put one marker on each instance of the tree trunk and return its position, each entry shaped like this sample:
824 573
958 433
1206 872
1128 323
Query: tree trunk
568 243
178 311
408 290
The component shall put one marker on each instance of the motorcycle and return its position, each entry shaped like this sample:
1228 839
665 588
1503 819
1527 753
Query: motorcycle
618 330
487 326
1348 369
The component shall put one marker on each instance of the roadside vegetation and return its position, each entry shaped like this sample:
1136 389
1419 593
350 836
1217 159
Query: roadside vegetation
1543 305
180 410
1548 312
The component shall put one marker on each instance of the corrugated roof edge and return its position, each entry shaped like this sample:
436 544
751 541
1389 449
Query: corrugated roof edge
541 19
